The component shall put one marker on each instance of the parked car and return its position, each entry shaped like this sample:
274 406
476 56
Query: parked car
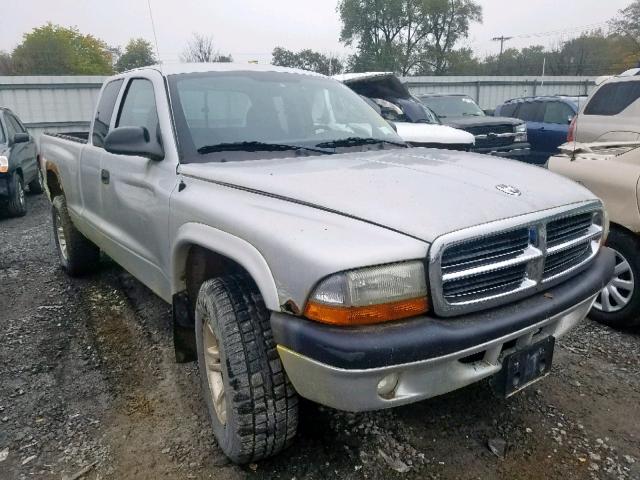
612 113
306 250
499 136
612 171
547 120
18 164
416 124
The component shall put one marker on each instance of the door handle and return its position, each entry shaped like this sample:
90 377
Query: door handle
104 176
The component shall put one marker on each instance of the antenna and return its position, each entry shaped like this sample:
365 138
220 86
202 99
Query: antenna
155 36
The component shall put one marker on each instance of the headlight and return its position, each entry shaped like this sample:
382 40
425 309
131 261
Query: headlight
601 218
370 295
4 164
521 133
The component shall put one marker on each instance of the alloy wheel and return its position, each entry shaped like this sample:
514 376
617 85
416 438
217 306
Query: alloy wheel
214 372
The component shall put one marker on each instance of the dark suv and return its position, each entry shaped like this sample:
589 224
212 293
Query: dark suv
18 164
548 120
500 136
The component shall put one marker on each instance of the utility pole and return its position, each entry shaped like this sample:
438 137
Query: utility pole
502 39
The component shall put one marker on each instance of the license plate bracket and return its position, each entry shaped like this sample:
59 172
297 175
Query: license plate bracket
525 367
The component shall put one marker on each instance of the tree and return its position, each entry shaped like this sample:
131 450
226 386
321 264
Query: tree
200 49
56 50
405 35
307 60
6 64
138 53
444 23
627 23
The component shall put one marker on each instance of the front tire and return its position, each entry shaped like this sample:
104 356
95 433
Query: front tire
17 204
252 405
618 304
77 254
36 187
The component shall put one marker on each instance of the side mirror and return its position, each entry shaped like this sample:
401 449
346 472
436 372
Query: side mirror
21 138
489 112
133 141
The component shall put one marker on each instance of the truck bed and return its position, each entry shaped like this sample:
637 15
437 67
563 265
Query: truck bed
78 137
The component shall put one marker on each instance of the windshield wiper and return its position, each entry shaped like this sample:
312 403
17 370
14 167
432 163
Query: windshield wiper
255 146
357 141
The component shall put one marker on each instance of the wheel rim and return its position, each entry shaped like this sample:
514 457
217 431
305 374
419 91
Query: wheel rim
214 372
20 193
62 241
617 294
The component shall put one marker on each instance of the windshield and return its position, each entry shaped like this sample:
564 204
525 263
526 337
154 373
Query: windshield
454 106
223 116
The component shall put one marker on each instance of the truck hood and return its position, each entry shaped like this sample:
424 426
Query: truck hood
433 133
420 192
465 122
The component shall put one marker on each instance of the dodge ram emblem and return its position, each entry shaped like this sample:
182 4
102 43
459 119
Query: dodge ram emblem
509 190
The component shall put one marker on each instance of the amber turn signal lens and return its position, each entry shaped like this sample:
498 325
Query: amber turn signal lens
369 315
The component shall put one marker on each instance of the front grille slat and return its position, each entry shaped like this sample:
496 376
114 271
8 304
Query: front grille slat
493 280
496 267
566 229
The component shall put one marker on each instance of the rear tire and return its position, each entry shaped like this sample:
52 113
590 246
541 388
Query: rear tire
252 405
36 186
17 204
618 305
77 254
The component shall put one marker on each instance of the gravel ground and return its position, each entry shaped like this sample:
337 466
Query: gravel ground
89 389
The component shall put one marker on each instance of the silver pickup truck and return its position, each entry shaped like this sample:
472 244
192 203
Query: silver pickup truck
306 250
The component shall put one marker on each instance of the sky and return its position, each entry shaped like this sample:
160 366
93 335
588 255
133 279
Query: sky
250 29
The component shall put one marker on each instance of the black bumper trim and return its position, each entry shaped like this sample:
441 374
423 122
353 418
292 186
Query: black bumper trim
430 337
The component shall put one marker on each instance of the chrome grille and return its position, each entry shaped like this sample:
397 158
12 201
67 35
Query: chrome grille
477 268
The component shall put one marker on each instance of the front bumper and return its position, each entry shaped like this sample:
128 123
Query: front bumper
342 368
518 151
4 185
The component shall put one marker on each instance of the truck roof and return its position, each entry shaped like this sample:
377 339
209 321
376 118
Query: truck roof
179 68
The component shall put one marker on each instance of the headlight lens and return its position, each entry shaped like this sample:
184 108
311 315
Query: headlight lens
601 219
4 164
370 295
521 133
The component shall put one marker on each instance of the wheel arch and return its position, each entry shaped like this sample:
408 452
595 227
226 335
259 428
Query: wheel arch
200 250
53 185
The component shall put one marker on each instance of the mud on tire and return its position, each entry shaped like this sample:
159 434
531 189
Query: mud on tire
78 255
260 411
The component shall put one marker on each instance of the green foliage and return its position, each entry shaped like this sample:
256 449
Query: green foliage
405 36
56 50
138 53
307 60
6 64
627 24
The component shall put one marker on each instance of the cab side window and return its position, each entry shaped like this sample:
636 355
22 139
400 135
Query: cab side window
105 112
139 107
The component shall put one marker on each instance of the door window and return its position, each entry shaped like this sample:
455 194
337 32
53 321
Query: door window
139 107
105 112
531 112
558 112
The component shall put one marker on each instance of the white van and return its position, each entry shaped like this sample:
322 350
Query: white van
612 113
415 123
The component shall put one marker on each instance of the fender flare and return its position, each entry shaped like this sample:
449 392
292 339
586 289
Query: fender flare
228 245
